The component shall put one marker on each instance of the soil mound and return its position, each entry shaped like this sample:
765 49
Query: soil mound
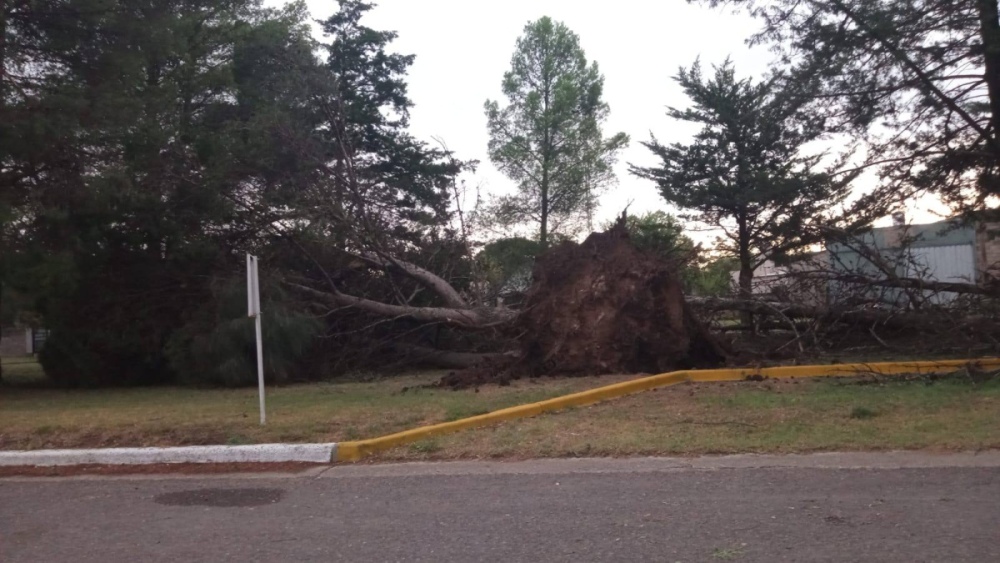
603 306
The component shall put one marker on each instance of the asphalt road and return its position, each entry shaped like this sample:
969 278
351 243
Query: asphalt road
600 510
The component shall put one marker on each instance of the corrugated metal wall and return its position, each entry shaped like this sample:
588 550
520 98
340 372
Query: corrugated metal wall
954 263
937 252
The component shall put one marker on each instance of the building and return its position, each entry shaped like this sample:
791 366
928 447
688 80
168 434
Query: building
15 341
787 282
944 251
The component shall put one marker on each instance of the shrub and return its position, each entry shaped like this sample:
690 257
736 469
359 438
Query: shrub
218 345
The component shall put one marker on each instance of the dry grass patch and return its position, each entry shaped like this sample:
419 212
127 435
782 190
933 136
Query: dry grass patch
33 415
721 418
688 419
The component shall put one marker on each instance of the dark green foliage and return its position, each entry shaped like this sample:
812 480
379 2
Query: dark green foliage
395 187
918 82
217 344
863 413
661 233
110 323
156 141
713 278
745 172
506 264
159 126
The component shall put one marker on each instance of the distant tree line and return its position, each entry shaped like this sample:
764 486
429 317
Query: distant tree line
147 144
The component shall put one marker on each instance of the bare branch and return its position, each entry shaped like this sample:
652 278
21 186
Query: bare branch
426 278
452 316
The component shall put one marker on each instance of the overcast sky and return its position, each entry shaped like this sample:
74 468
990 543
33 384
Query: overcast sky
463 48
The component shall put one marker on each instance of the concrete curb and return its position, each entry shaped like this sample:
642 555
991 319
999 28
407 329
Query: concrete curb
607 465
260 453
355 450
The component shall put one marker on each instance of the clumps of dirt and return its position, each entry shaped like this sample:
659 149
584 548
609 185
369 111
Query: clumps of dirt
603 306
489 372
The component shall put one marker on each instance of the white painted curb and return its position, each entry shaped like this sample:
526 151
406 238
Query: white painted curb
261 453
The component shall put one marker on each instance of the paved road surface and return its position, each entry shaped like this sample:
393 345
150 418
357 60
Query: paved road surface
569 510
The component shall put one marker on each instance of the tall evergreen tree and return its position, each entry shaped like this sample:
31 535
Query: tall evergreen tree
548 137
141 135
385 182
745 172
147 143
918 81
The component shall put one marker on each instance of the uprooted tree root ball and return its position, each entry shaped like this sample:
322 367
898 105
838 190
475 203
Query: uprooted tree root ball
602 306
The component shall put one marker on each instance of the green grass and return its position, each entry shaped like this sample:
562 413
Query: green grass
34 415
688 419
425 446
767 417
23 372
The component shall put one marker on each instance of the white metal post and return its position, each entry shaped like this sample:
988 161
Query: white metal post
253 310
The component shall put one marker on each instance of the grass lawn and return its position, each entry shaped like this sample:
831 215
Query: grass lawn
770 416
33 415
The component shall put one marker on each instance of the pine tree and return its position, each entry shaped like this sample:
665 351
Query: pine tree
917 82
746 172
548 137
133 154
386 181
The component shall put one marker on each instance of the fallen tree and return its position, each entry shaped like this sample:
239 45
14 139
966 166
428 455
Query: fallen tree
790 310
786 330
467 317
600 306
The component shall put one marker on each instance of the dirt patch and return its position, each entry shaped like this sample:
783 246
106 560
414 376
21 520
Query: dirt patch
603 306
156 469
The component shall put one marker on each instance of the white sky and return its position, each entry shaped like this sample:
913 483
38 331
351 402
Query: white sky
463 48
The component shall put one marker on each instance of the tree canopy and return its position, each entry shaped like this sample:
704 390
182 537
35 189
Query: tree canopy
746 171
661 233
146 145
918 81
548 137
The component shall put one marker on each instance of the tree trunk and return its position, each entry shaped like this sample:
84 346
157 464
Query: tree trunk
916 284
746 268
466 317
543 233
3 116
989 29
908 320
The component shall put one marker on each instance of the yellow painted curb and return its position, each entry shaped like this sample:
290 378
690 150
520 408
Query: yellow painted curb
355 450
